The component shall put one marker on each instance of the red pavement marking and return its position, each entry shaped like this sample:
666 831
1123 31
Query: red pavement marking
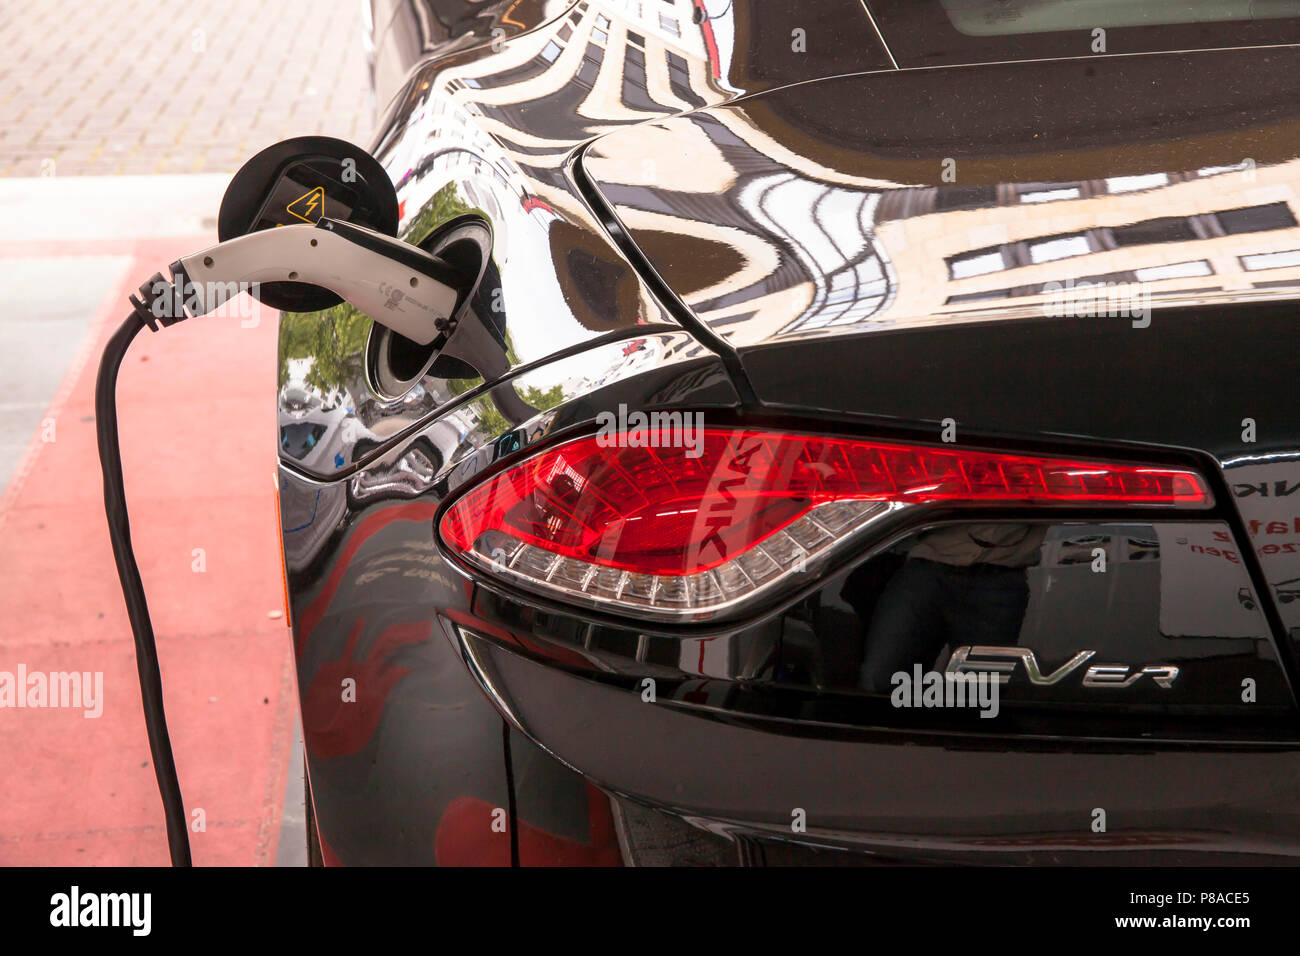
197 424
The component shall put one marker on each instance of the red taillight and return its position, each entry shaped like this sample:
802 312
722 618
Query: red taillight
683 530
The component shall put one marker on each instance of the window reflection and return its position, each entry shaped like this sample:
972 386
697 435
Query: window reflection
1157 595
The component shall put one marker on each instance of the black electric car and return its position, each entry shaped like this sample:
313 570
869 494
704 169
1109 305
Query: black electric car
825 354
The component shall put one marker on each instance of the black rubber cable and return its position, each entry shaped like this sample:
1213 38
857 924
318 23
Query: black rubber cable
510 795
146 651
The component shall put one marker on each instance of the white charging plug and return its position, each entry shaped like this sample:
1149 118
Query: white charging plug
395 283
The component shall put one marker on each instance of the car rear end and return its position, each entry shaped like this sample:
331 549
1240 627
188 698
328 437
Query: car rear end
888 466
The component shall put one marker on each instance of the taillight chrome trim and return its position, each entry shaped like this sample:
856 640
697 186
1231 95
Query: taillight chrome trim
635 596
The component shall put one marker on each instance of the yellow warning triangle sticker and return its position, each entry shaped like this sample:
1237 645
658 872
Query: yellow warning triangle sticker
308 207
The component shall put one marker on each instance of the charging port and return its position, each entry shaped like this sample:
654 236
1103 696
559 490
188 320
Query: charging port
394 363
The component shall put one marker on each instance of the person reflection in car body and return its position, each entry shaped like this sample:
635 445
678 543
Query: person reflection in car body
962 584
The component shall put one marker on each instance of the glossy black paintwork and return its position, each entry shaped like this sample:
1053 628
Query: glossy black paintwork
403 32
1174 384
413 771
642 274
1169 595
488 129
932 798
822 230
920 33
888 201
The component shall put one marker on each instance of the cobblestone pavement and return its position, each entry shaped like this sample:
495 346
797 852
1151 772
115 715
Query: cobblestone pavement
97 87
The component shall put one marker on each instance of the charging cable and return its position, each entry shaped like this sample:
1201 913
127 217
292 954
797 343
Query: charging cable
397 284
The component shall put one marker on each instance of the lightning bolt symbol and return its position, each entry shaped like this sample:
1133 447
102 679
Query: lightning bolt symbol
310 200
